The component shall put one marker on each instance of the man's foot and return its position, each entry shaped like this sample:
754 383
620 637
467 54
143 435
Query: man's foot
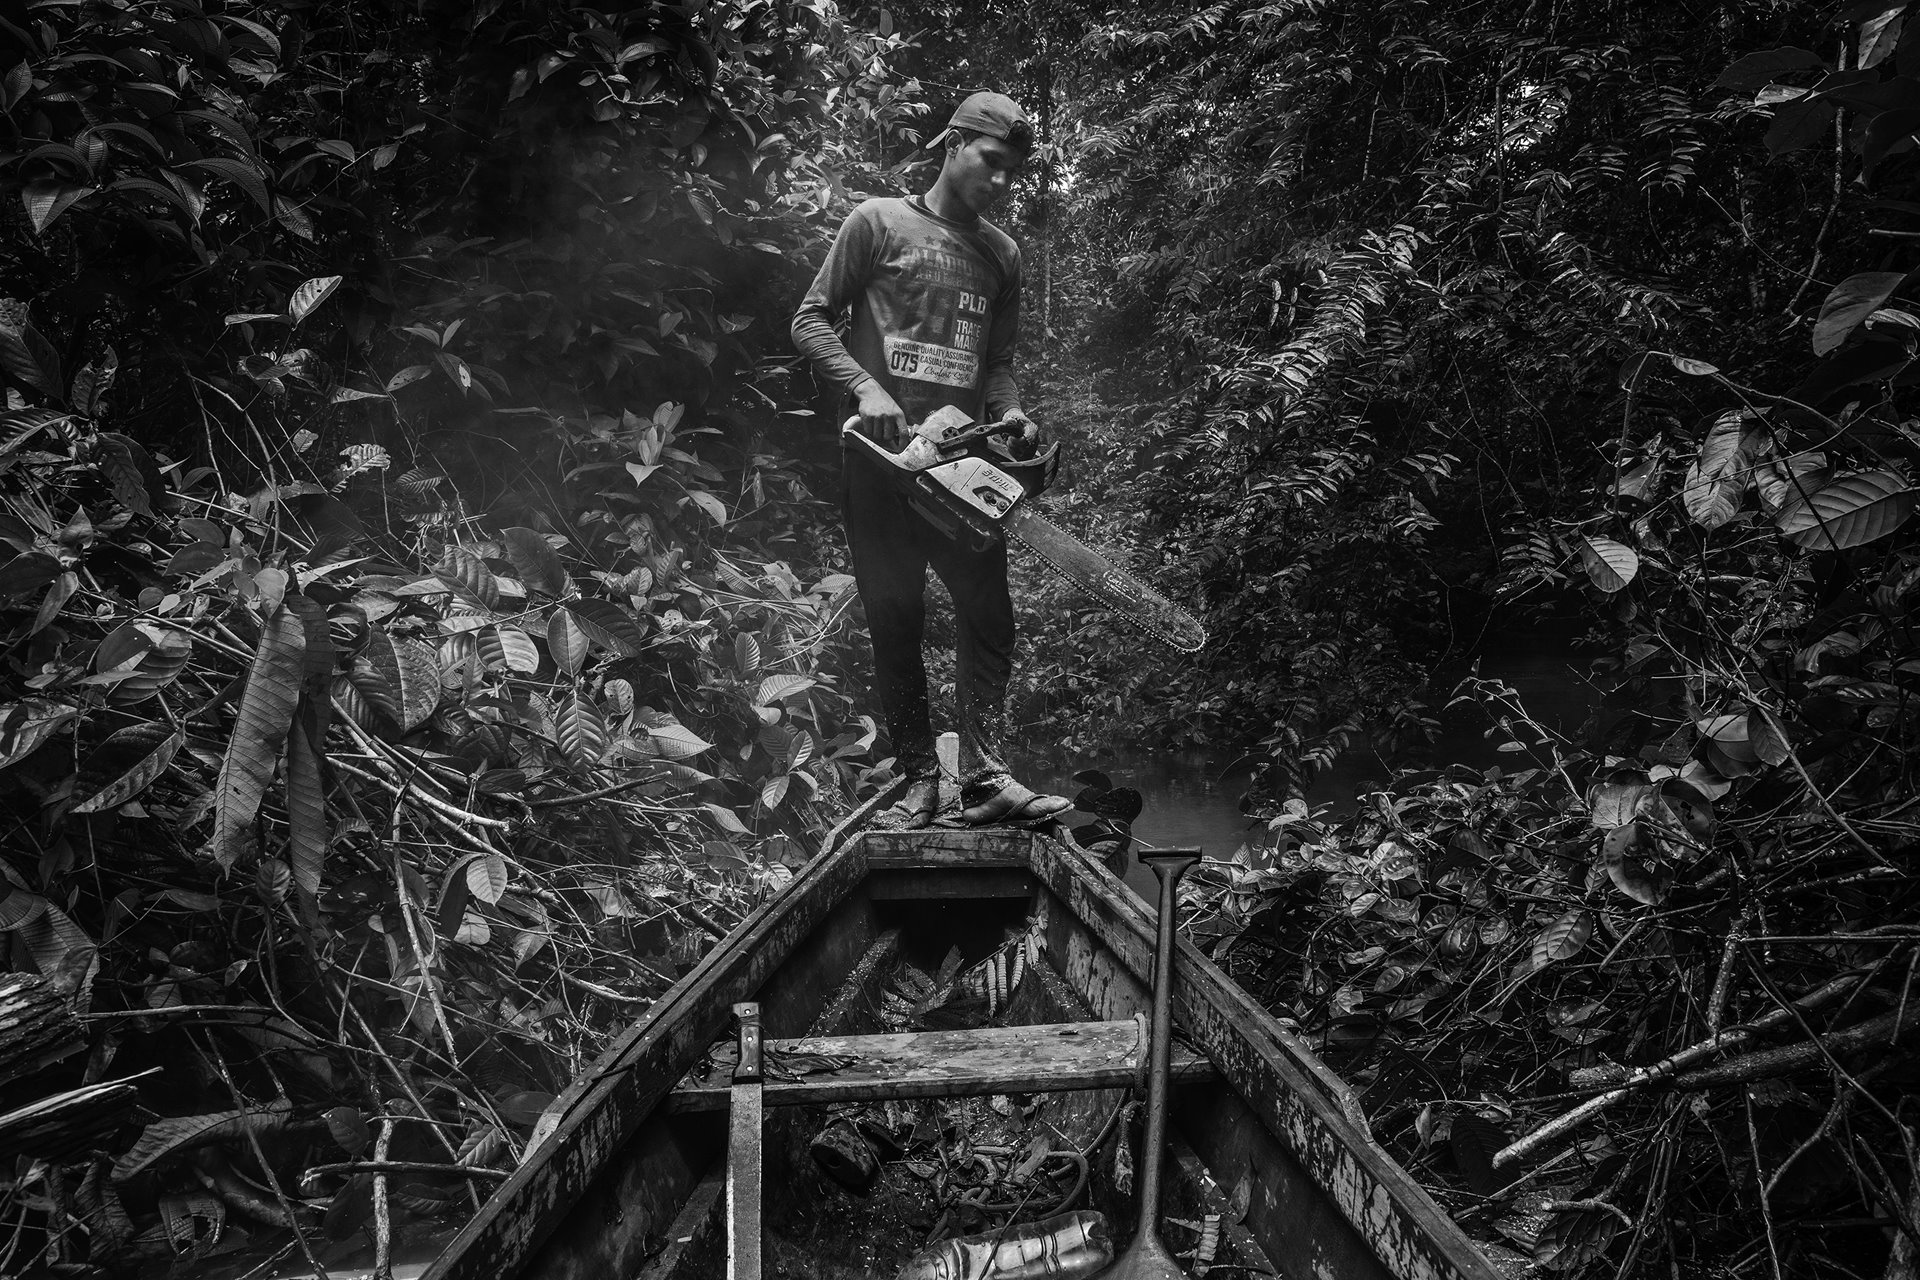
915 807
998 798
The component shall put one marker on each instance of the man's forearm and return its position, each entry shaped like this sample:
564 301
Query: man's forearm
814 337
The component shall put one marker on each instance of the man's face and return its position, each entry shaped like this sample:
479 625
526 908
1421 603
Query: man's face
982 171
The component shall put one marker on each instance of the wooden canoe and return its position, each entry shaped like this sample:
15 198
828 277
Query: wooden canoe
625 1181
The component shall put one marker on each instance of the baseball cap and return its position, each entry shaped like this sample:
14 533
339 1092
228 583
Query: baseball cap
994 114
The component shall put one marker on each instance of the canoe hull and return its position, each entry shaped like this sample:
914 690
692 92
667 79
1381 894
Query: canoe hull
613 1185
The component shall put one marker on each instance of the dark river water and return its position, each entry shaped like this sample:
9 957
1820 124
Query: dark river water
1193 798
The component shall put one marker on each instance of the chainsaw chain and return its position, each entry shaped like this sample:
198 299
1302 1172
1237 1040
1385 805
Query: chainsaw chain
1120 604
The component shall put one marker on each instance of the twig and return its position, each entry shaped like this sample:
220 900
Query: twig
1760 1185
266 1166
584 796
1667 1066
381 1166
382 1218
1766 1063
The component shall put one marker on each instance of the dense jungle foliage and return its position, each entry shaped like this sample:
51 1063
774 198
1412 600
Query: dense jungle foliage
425 632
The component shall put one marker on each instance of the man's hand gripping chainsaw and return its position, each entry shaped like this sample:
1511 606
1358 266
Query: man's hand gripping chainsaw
954 477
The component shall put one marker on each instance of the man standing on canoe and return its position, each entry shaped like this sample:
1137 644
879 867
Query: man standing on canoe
932 292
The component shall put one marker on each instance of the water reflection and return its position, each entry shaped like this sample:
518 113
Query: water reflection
1193 798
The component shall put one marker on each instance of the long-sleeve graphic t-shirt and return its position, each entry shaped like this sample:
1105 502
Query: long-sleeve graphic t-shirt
934 306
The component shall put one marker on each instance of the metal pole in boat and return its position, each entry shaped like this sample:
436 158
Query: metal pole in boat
744 1142
1146 1257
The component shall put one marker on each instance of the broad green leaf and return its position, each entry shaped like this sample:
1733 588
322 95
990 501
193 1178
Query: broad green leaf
486 875
1768 737
779 688
168 651
308 832
469 576
172 1134
1729 733
241 174
91 385
1574 1236
273 878
1612 802
259 733
517 651
714 508
608 625
1854 509
746 655
1628 874
407 684
535 560
1562 939
677 742
1849 303
124 764
580 730
1719 475
774 791
1693 368
567 641
726 819
47 199
310 295
26 574
136 481
1609 564
24 726
1756 69
29 358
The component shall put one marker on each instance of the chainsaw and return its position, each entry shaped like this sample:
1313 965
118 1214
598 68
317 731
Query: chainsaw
964 480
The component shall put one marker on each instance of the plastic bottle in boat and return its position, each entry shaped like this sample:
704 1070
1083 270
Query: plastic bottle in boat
1070 1246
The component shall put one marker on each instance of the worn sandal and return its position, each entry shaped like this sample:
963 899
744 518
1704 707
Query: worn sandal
998 798
915 807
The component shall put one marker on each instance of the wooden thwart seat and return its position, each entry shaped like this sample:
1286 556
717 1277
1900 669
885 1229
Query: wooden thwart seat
1046 1058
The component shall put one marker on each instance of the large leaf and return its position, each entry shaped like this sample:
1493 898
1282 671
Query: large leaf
124 765
91 384
1853 510
1628 874
308 833
779 688
509 648
1718 476
537 563
746 655
1574 1236
24 726
567 641
25 575
137 482
241 174
677 742
1609 564
310 295
1850 303
408 678
1757 69
580 730
46 200
1562 939
608 626
464 571
168 651
172 1134
30 358
259 732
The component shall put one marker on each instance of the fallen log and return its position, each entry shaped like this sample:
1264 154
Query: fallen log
37 1026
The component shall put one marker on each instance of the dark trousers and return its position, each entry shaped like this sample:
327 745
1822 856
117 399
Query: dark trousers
892 546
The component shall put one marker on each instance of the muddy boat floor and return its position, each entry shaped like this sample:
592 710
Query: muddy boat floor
948 1166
